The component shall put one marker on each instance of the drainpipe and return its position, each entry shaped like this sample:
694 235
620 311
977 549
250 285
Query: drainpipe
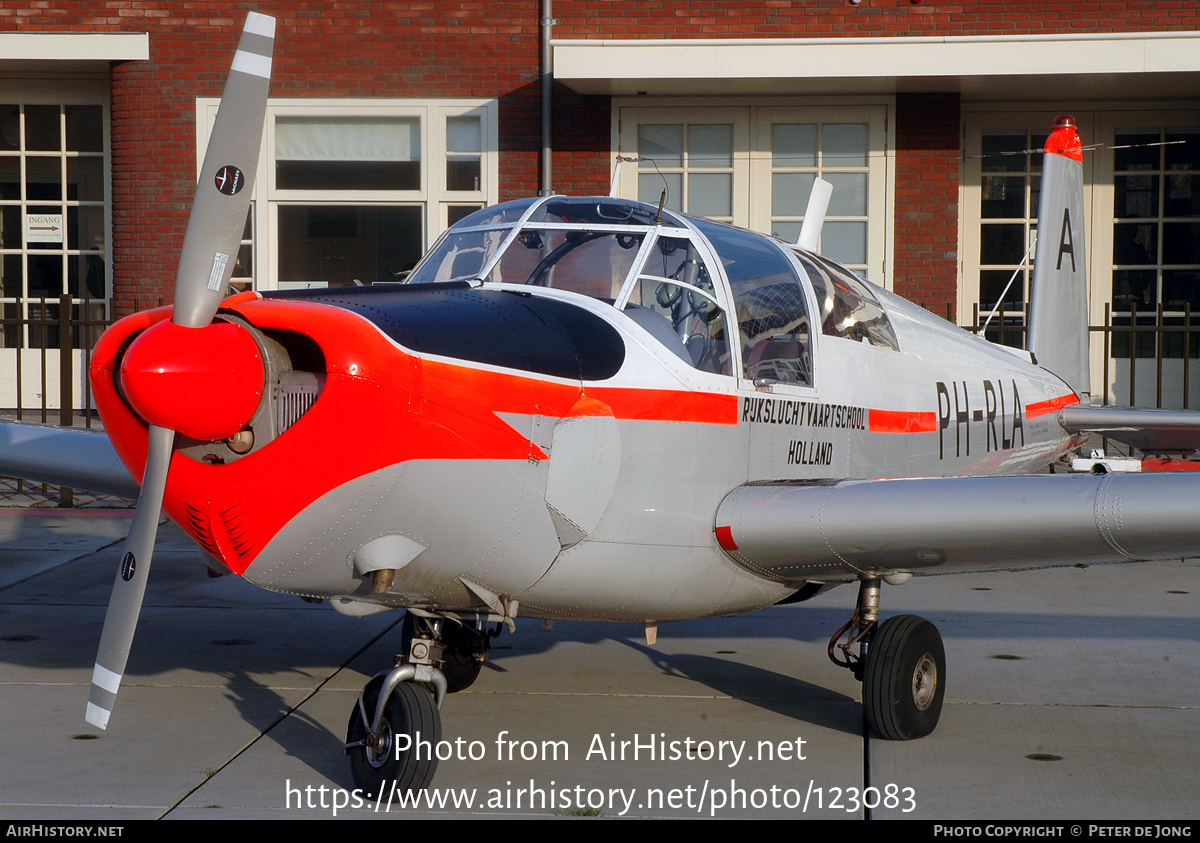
547 26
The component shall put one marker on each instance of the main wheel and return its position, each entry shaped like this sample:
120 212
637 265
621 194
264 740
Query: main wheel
377 765
904 681
459 664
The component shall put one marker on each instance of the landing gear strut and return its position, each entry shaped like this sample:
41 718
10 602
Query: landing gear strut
397 713
901 663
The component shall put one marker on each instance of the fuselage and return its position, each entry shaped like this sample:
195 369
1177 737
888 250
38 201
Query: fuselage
547 419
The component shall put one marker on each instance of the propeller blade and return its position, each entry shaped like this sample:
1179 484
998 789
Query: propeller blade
214 232
126 602
206 264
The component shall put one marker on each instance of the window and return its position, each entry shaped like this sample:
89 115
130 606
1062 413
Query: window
354 192
1156 237
754 166
53 216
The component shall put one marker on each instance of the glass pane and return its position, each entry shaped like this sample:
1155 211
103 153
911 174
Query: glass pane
85 128
1003 153
348 139
790 192
85 227
1136 196
339 245
42 127
464 134
794 145
12 276
710 194
1181 242
844 145
463 174
1186 155
11 235
45 275
85 179
845 242
43 178
1181 287
1135 243
454 213
1183 195
849 197
10 177
788 232
651 186
244 266
992 283
93 272
710 146
1003 197
1001 243
348 175
1135 288
1136 150
10 127
1036 143
661 142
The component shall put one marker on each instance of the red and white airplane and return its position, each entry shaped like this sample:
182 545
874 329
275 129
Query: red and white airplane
598 409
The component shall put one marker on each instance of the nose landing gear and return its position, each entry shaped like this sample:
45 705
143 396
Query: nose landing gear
901 663
396 724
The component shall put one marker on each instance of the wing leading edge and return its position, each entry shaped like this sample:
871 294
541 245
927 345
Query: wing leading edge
1151 431
838 532
64 456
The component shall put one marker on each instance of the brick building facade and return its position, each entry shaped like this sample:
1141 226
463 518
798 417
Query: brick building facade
920 111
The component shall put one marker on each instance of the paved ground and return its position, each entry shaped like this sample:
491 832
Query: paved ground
1072 693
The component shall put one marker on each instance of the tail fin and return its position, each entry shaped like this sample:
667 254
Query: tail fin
1058 307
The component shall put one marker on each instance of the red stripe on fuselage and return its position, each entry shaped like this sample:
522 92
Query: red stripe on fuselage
1041 408
900 421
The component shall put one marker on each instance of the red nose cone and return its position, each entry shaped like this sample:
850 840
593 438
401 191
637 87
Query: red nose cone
202 382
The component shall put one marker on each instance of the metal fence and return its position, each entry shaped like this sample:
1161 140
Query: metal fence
1136 348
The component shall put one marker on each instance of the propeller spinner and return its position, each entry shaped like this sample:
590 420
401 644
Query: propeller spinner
196 359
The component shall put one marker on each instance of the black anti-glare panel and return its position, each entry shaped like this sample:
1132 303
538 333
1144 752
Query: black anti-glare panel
510 329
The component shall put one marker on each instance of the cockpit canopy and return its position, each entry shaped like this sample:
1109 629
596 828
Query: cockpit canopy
676 276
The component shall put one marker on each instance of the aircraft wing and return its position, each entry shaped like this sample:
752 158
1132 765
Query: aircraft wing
833 532
64 456
1152 431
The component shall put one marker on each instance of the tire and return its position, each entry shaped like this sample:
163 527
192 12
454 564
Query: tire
904 682
459 664
409 711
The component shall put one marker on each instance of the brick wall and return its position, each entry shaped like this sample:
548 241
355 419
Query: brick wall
928 168
834 18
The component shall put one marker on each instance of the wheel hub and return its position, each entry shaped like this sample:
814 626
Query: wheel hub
379 747
924 684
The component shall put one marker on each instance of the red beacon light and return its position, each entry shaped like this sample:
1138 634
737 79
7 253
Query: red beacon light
1064 139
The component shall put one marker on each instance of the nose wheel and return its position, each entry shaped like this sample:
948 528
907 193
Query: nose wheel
901 663
397 756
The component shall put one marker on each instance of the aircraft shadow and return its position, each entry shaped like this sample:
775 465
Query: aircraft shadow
766 689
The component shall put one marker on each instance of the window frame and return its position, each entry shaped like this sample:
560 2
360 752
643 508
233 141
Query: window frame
433 197
752 119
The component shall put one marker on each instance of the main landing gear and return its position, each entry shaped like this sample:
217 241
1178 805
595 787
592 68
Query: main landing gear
396 719
901 663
